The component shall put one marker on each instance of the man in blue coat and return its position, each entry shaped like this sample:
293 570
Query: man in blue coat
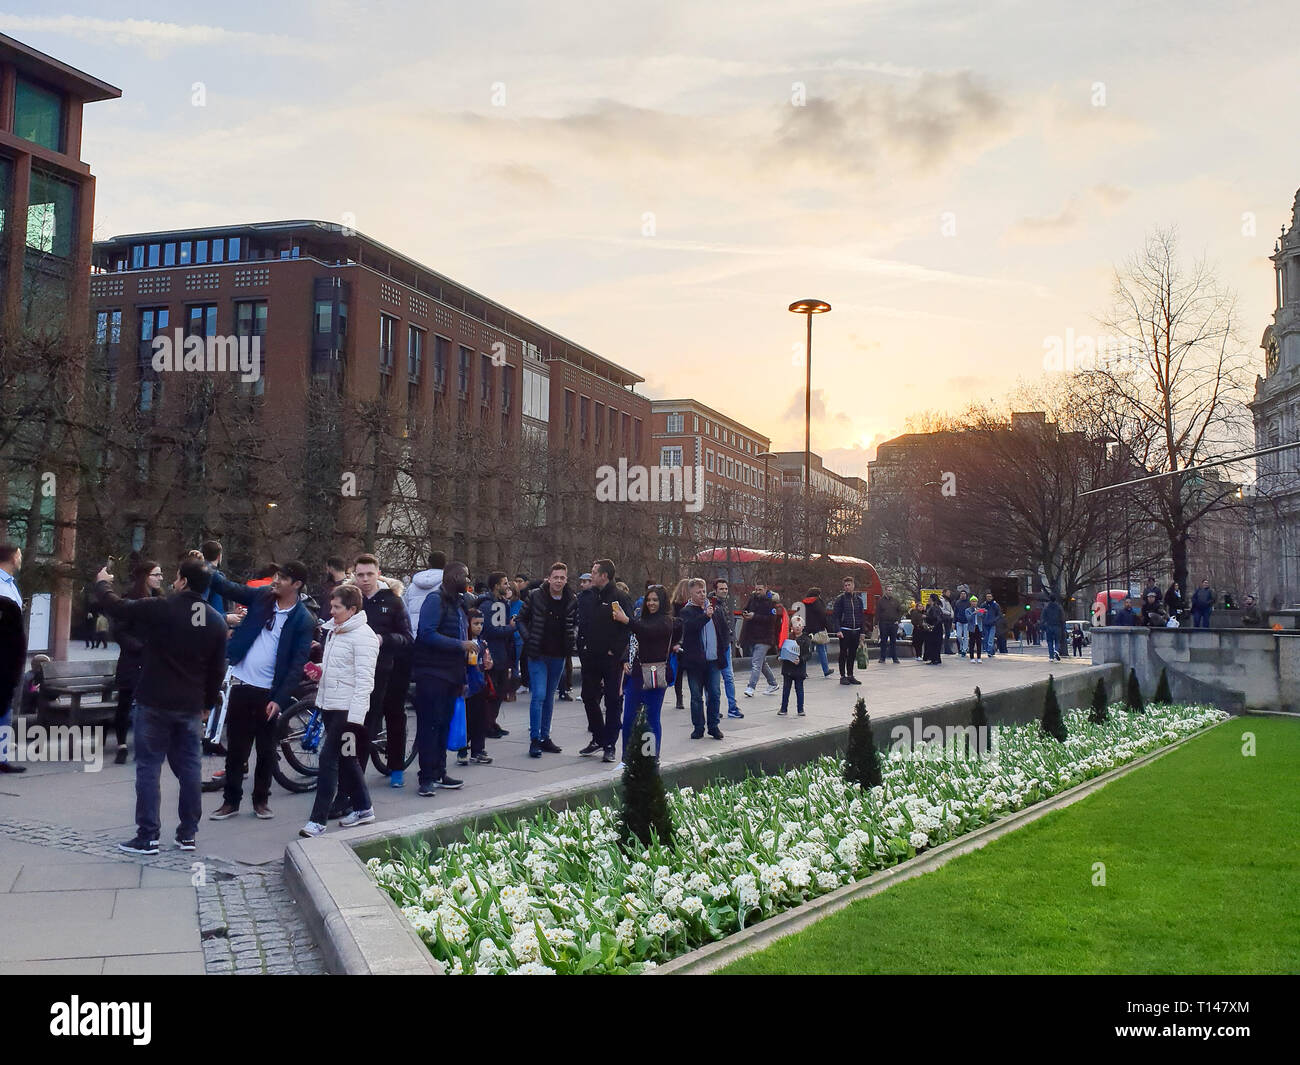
442 646
992 611
266 654
705 638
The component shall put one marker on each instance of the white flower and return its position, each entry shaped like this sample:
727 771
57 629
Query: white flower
533 968
659 925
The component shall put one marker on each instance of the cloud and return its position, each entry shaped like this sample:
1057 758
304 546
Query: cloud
162 35
1068 221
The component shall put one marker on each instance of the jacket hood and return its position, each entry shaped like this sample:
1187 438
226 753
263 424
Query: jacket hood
356 621
427 580
810 600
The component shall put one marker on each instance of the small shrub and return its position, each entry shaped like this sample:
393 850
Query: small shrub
1163 695
1133 696
643 811
1099 712
1052 722
862 759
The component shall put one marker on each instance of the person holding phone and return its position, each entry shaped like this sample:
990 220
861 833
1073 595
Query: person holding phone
657 634
266 654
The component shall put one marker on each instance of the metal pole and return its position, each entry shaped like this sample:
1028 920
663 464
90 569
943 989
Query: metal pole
807 416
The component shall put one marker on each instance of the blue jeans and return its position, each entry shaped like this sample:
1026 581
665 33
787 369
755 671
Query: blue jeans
823 659
990 641
543 678
635 697
705 681
175 736
1201 617
728 682
435 701
758 664
1053 639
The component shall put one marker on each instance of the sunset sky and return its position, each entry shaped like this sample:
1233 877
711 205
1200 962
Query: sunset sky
1052 136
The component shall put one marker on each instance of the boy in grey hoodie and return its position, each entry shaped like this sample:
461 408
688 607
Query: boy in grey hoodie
423 584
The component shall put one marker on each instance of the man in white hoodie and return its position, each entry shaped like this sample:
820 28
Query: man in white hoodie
343 694
424 583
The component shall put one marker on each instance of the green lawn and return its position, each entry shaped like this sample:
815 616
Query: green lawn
1202 857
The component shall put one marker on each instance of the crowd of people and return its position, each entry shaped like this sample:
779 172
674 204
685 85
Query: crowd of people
470 647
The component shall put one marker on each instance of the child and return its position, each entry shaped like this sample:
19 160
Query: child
1076 642
476 697
975 626
795 653
31 688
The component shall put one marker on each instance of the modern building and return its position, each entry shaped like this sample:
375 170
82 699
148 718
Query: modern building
47 206
443 417
1276 411
686 433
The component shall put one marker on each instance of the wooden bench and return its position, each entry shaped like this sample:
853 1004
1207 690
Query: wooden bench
86 688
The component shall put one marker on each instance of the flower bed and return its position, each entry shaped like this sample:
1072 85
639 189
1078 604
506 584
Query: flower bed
556 895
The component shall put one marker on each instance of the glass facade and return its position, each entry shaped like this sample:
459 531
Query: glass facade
38 114
51 215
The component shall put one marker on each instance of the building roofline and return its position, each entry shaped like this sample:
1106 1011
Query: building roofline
704 408
620 374
46 68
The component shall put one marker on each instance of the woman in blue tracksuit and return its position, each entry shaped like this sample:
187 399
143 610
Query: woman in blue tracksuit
657 634
975 629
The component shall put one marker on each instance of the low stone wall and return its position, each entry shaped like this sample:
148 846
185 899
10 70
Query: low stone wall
360 930
1234 669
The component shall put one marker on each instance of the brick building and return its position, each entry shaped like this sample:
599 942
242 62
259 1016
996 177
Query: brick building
393 408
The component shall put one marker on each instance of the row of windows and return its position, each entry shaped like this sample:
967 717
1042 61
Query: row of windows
184 253
610 424
728 467
677 424
51 210
198 319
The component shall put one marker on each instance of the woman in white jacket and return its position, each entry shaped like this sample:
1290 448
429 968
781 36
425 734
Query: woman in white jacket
343 694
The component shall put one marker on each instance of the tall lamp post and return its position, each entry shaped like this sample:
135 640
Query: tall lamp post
808 308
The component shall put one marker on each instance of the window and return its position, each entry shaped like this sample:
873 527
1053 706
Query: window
153 320
169 253
137 257
414 353
613 427
670 456
250 318
537 395
201 320
485 380
637 447
150 395
201 251
387 327
232 250
440 348
38 114
155 255
343 319
108 327
186 252
584 416
50 214
696 423
600 420
570 401
675 422
219 250
507 388
708 459
324 316
462 373
627 428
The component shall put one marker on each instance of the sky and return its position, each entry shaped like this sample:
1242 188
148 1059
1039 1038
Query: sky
658 182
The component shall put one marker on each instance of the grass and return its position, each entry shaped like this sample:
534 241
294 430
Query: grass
1202 874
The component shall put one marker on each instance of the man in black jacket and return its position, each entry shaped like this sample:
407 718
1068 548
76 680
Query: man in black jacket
705 637
762 616
549 624
386 616
849 613
604 649
888 614
13 648
184 662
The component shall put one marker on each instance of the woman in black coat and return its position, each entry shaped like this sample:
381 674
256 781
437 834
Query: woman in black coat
814 616
146 582
934 632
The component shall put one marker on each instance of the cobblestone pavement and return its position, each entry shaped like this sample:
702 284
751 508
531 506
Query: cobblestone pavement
248 921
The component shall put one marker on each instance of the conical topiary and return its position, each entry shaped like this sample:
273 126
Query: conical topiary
1133 695
862 759
979 720
1163 695
644 808
1100 711
1052 723
978 716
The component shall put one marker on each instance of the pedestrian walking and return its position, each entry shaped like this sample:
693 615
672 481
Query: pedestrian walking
762 616
1053 627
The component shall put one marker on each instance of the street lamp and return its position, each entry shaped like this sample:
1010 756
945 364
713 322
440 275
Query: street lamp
808 308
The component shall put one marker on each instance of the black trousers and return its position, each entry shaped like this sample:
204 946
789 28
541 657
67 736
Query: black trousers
391 688
849 639
122 714
602 678
246 728
566 682
476 715
500 681
342 776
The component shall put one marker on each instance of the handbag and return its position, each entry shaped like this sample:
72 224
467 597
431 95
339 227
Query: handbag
821 639
654 675
456 734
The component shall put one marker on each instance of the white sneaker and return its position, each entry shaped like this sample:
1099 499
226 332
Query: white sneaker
311 830
772 690
358 817
749 693
620 767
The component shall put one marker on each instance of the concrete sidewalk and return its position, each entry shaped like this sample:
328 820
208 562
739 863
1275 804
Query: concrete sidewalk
70 902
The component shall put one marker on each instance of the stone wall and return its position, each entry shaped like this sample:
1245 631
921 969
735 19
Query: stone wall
1235 669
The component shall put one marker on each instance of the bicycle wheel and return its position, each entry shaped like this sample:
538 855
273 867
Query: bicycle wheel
379 739
299 736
